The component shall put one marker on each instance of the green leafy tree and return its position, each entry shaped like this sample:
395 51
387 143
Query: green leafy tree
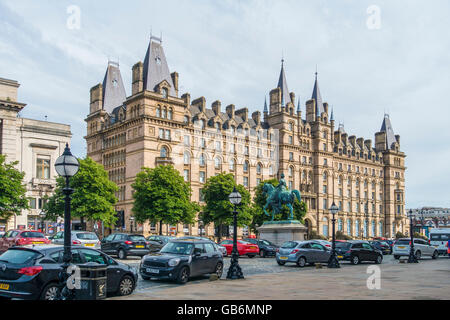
342 236
259 201
218 208
93 198
399 235
162 195
12 191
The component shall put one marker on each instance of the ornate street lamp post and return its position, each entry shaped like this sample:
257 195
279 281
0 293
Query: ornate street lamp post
412 257
235 272
66 166
42 214
333 262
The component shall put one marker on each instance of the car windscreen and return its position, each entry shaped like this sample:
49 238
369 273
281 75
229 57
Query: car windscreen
403 241
267 243
87 236
136 238
439 237
19 256
31 234
289 244
177 248
343 245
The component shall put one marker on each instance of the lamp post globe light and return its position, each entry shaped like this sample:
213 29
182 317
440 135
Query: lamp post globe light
66 166
333 262
412 257
235 272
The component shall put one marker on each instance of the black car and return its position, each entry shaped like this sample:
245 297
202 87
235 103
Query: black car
384 247
155 243
123 245
358 251
181 259
32 272
266 248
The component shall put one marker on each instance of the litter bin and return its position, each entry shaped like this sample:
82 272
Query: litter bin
93 282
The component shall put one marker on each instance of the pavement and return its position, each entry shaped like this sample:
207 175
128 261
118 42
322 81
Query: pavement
265 279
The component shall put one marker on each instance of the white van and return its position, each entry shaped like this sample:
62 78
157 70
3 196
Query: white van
438 239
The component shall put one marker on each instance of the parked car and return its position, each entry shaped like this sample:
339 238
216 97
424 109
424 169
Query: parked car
222 249
21 237
357 251
124 245
155 243
32 272
266 248
181 259
383 246
325 243
244 248
421 248
439 238
83 238
302 252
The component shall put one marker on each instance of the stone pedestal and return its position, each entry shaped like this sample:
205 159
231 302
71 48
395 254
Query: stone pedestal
282 231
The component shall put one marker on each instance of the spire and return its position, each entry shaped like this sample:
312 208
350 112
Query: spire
265 105
386 126
156 69
113 90
332 115
282 84
298 106
317 98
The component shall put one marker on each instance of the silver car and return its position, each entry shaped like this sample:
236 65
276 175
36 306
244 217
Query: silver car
302 252
82 238
421 248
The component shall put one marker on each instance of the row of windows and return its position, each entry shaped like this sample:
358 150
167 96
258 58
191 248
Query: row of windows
37 203
360 228
114 141
164 112
114 159
117 175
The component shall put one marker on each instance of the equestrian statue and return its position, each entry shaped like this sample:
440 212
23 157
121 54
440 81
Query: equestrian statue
279 195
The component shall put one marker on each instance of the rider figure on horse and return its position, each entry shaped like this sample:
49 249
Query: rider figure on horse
280 188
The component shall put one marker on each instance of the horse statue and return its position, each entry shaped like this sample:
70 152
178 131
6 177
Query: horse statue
277 196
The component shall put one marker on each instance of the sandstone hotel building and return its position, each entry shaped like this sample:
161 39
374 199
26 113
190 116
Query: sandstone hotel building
159 125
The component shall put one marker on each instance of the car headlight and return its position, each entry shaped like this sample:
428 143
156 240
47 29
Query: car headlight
174 262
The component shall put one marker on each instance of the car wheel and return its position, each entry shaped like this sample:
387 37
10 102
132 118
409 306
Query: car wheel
418 254
126 286
50 292
122 254
355 260
301 262
281 263
262 253
379 259
396 257
435 255
183 276
219 269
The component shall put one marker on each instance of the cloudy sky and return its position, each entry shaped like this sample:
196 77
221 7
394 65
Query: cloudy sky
373 57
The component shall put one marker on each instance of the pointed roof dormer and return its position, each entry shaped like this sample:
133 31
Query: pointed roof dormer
386 126
113 90
156 69
317 98
265 105
282 84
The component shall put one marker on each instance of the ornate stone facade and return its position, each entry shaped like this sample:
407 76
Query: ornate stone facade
154 126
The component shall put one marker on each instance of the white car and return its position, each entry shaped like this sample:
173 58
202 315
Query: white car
421 248
439 238
325 243
82 238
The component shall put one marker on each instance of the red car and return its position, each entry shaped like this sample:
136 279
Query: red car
244 248
21 237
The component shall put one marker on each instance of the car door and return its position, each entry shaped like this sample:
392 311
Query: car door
309 252
199 260
322 254
106 243
117 242
213 257
368 252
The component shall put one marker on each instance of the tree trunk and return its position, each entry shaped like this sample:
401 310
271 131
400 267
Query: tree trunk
220 232
82 223
160 228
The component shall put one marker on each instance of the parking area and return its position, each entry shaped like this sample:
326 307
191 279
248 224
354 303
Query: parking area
429 279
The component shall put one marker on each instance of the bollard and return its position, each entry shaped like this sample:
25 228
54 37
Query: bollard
318 265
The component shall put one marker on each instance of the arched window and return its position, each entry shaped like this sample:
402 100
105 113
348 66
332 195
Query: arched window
217 126
158 112
217 163
246 166
325 227
271 170
325 176
163 152
349 227
304 175
366 227
291 171
202 160
374 231
258 168
164 113
340 225
187 157
169 114
186 119
380 228
164 93
231 164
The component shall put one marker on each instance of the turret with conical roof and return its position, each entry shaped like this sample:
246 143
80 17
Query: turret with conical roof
114 93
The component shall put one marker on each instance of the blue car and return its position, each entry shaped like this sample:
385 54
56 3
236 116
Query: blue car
302 253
